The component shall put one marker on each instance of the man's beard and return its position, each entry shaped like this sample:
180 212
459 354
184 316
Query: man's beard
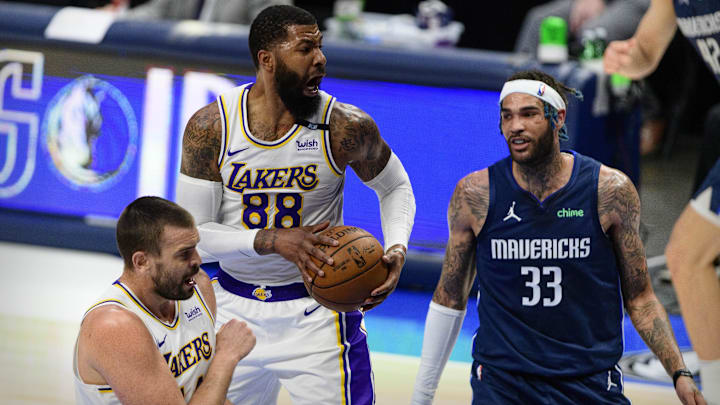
541 150
290 86
169 288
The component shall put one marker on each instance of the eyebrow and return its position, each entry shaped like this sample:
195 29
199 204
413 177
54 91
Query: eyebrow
526 108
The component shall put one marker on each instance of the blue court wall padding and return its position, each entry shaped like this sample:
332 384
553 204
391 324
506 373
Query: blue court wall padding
436 108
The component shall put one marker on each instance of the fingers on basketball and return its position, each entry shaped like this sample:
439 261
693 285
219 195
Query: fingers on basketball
358 269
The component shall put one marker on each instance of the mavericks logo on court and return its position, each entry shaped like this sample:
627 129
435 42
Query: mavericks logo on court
90 133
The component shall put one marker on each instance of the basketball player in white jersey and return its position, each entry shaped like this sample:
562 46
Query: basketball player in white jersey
150 338
262 172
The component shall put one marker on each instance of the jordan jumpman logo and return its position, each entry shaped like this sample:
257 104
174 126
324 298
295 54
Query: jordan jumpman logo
511 213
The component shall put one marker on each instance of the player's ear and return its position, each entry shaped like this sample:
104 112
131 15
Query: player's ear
140 260
561 118
266 60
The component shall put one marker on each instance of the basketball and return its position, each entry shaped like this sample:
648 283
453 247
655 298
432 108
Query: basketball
358 269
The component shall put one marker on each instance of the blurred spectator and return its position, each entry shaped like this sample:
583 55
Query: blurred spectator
639 56
619 18
73 3
225 11
488 25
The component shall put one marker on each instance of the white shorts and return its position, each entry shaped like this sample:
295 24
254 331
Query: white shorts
320 356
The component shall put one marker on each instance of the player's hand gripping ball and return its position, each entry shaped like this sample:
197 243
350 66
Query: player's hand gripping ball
358 269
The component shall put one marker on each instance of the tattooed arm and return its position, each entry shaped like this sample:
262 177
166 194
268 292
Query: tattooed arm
356 141
201 144
200 192
466 216
619 210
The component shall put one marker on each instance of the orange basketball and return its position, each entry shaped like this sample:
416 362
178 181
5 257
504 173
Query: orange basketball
358 269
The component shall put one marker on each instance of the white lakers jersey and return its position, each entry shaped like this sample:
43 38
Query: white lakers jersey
187 344
289 182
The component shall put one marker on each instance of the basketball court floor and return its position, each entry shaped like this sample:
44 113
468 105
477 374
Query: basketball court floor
45 291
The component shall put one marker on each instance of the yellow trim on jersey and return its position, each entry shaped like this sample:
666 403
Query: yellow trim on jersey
104 390
341 345
202 301
224 151
147 311
326 139
245 131
100 303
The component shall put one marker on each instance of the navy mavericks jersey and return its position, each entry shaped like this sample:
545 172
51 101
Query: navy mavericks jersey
549 298
699 21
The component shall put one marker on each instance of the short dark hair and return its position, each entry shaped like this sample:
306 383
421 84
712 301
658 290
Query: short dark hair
270 27
142 222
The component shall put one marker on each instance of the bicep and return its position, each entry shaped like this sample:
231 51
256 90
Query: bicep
125 354
201 144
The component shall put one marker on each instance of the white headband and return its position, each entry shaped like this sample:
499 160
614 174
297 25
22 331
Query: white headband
533 88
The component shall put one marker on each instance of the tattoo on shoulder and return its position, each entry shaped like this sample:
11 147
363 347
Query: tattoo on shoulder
471 197
201 144
356 141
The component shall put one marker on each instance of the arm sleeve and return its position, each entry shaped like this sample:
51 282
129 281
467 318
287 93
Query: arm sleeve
442 327
217 241
397 202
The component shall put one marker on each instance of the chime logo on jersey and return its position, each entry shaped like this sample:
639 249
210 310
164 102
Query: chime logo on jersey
569 213
244 178
189 355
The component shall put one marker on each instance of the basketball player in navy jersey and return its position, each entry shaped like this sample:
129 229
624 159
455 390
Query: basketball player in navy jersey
263 170
553 238
691 254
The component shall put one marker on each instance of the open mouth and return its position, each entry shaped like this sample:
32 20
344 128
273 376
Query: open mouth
190 281
312 86
519 143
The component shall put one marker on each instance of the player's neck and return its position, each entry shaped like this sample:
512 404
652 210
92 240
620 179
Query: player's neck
268 118
546 177
144 290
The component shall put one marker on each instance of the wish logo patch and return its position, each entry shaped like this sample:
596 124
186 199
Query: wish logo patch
193 313
307 144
